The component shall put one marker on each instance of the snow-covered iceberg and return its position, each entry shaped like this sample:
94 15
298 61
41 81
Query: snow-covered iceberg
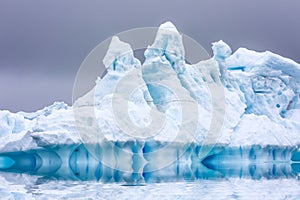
259 104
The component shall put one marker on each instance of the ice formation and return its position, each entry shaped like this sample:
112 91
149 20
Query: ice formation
261 96
140 165
149 122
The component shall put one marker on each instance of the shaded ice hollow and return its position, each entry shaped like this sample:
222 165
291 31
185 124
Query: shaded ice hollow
261 98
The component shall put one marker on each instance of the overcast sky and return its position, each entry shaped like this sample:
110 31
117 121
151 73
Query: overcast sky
42 43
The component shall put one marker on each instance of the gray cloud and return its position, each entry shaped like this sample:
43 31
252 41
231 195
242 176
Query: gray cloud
42 43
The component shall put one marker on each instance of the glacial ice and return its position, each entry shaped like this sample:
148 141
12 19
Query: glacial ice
261 99
143 165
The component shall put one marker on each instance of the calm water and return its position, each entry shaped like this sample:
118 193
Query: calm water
17 186
254 173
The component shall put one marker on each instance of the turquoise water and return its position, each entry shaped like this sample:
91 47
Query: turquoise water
70 172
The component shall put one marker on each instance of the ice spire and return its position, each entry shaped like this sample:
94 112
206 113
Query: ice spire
169 40
168 44
221 50
119 56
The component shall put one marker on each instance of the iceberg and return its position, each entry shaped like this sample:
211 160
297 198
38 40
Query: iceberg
232 106
261 92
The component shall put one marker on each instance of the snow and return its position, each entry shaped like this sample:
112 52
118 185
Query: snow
166 99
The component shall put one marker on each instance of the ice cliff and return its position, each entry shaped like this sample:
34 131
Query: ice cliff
261 99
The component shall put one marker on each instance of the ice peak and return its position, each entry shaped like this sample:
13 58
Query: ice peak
221 50
168 41
117 49
168 26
